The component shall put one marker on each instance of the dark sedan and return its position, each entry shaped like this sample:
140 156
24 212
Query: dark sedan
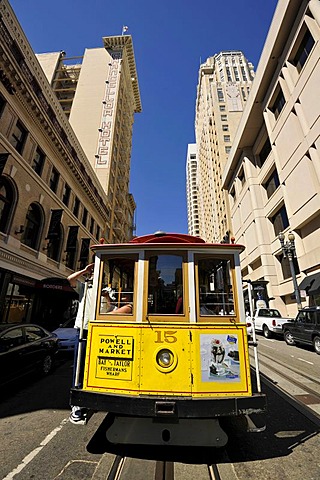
305 329
25 348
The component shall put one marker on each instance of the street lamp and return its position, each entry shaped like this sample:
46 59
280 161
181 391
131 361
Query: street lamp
289 250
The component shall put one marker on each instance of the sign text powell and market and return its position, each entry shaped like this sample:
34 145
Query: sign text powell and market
115 356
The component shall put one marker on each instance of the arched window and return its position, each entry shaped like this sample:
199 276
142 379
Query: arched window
7 197
33 227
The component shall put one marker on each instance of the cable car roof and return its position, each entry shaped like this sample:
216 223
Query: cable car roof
160 238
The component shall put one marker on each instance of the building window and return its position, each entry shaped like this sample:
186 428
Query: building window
66 194
6 204
236 74
272 183
18 137
225 128
38 162
264 152
2 104
280 220
226 138
242 177
55 244
278 104
76 206
72 246
222 108
54 179
227 149
33 224
84 217
303 51
244 75
285 266
233 193
220 95
98 233
229 74
84 252
224 118
91 229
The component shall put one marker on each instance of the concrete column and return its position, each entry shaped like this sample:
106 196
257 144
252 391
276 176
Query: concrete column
314 6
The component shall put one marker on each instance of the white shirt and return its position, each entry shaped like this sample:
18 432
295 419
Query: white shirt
87 302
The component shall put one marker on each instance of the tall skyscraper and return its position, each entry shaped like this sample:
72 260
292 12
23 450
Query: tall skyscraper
223 88
99 93
192 190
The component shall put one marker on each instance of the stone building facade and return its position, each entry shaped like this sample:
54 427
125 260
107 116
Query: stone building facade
273 171
54 203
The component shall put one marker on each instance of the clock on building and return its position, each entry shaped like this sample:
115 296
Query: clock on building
233 98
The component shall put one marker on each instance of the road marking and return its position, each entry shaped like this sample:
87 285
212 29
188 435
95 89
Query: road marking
306 361
28 458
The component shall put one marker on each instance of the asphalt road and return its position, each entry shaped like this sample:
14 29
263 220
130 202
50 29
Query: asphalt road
37 441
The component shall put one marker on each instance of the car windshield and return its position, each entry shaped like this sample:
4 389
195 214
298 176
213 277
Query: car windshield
264 312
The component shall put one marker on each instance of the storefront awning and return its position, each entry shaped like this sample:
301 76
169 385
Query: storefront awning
55 284
311 284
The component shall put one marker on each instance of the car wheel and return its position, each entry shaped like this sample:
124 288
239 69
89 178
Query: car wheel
289 338
46 365
316 344
266 332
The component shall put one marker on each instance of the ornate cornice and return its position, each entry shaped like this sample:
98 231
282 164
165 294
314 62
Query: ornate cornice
27 266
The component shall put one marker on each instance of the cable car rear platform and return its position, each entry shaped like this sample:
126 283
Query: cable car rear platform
170 407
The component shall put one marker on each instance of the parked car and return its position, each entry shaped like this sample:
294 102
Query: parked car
269 321
25 348
305 328
66 334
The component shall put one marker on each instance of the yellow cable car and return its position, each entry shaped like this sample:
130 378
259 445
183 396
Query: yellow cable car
167 353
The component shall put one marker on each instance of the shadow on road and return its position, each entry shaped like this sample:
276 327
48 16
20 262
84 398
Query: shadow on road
286 430
33 393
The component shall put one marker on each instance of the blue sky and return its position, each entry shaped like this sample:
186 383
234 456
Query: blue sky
170 38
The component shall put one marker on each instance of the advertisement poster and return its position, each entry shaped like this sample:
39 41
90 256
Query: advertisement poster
219 358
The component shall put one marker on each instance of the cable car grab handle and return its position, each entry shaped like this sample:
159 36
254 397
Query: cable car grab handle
255 345
80 345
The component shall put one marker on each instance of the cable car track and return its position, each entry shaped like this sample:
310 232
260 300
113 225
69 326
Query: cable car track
288 377
163 471
297 399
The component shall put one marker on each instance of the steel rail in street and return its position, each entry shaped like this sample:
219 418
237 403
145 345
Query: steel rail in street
284 393
163 471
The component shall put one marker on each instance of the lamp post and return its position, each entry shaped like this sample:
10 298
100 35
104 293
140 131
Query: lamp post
289 250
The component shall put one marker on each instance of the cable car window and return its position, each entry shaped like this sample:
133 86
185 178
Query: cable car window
117 285
165 286
215 287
